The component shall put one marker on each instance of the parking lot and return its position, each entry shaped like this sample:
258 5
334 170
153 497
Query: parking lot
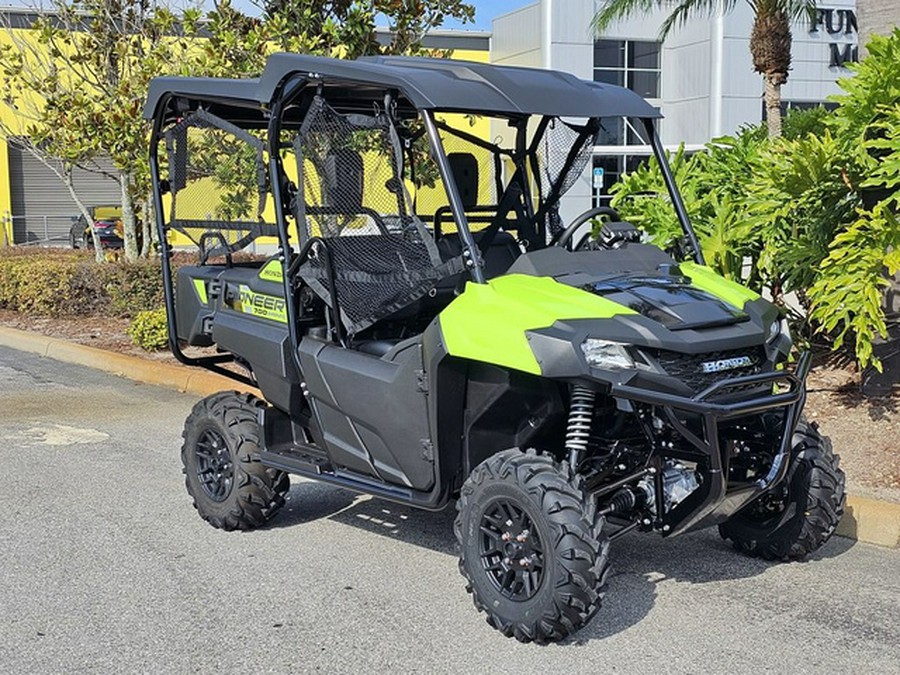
105 567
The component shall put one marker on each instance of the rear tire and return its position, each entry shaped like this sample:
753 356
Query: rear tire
231 488
799 516
532 547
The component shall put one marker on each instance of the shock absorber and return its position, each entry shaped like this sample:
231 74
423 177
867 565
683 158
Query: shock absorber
578 429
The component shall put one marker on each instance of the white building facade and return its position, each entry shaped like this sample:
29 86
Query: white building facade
701 78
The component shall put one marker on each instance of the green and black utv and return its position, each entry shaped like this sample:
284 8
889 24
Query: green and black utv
378 246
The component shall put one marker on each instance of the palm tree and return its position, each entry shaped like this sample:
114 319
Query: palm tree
770 41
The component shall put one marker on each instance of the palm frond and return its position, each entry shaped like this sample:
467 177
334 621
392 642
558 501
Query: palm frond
615 10
687 9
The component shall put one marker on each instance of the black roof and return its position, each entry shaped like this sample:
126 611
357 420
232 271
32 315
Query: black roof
439 84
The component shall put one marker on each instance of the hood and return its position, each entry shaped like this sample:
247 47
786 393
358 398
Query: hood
669 300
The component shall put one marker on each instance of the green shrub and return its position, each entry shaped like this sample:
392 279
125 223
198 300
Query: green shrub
38 282
713 185
9 282
45 287
133 287
65 283
149 330
801 123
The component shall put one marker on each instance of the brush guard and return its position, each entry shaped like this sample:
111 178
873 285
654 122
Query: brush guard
712 502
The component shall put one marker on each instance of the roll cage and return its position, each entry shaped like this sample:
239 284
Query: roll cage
408 102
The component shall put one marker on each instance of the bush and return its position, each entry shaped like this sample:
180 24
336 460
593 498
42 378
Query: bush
44 287
801 123
36 282
65 283
713 185
150 330
134 287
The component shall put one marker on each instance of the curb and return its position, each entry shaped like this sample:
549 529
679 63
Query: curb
871 521
182 378
866 520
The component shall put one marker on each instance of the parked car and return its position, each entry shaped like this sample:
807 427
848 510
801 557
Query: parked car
106 220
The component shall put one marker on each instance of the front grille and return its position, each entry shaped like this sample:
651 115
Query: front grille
688 368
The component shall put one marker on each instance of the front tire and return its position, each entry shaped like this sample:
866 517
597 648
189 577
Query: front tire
532 548
231 488
800 515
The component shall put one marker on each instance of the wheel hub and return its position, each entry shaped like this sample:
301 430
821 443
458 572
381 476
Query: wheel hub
511 552
215 469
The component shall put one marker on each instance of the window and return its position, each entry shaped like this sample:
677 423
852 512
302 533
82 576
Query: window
628 63
614 167
621 131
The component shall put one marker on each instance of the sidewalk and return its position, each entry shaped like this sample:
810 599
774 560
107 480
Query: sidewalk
866 520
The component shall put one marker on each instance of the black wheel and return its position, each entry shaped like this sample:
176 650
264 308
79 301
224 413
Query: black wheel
800 515
531 546
231 489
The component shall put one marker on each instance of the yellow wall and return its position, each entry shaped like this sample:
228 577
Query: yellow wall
9 119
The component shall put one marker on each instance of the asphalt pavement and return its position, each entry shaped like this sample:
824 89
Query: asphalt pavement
105 567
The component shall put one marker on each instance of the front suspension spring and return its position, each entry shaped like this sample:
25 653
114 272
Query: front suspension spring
578 429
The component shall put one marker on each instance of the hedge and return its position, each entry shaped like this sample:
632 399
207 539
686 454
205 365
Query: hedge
58 282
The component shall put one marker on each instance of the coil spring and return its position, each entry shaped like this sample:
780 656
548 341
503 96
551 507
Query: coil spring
578 429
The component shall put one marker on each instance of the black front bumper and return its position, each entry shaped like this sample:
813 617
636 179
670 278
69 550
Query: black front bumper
714 500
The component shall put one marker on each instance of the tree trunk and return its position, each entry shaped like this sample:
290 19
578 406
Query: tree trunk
128 220
151 218
773 102
770 47
66 177
146 227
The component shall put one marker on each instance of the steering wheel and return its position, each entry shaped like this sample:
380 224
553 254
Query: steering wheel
565 237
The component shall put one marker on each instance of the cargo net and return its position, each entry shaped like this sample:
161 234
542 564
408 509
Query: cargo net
563 154
353 195
217 185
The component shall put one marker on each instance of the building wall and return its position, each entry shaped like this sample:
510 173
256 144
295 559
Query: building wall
708 87
515 40
877 16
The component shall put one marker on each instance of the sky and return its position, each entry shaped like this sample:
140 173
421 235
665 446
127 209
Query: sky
485 10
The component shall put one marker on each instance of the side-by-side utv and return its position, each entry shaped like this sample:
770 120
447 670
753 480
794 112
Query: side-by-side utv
378 245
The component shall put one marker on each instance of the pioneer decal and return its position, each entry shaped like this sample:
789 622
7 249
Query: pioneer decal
262 305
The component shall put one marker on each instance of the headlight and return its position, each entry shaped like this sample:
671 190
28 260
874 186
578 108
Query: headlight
606 354
778 327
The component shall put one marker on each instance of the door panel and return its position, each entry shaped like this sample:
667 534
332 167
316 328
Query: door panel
371 411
